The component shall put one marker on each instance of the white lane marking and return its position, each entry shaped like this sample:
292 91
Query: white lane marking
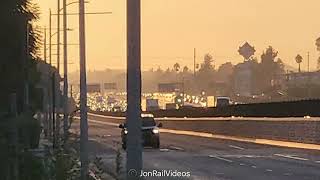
255 167
164 150
101 122
317 161
236 147
190 133
244 156
104 123
291 157
269 170
220 158
241 164
176 148
103 116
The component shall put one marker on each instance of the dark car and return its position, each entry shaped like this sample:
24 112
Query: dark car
150 132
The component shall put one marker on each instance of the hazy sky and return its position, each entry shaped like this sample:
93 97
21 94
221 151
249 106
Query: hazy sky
172 28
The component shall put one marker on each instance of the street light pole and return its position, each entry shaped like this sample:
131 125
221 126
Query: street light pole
194 62
50 36
58 37
45 46
26 65
50 88
58 72
65 71
83 95
134 144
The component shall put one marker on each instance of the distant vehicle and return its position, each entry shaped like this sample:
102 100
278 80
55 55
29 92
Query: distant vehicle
111 100
152 104
150 132
210 101
116 109
222 101
171 106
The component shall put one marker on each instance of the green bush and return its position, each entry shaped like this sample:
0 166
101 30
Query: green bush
29 131
31 167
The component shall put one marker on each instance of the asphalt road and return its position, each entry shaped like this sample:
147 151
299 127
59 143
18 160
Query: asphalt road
207 158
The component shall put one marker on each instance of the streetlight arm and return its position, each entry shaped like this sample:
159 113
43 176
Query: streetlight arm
90 13
74 2
60 31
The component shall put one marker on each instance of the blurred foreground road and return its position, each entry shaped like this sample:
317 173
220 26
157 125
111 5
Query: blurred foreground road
207 158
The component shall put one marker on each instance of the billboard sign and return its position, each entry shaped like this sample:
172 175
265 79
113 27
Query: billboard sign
93 88
110 86
170 87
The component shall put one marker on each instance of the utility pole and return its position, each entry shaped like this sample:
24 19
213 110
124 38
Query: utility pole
194 62
45 90
308 89
65 71
50 36
26 52
45 46
134 144
53 86
50 92
58 104
58 37
71 91
83 94
308 61
183 91
14 137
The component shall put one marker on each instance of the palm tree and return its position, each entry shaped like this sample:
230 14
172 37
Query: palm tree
185 69
176 67
14 14
299 61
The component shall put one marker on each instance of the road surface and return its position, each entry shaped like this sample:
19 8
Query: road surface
207 158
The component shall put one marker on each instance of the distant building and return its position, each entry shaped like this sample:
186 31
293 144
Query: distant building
93 88
243 79
303 85
170 87
303 78
110 87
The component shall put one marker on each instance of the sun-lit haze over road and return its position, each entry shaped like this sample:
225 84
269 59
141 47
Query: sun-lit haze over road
172 28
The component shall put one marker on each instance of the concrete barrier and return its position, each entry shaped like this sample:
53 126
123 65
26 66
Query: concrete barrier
282 129
302 131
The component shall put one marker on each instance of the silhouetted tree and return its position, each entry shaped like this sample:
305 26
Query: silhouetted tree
176 67
15 17
207 63
299 61
159 70
225 71
205 75
268 68
185 69
168 71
